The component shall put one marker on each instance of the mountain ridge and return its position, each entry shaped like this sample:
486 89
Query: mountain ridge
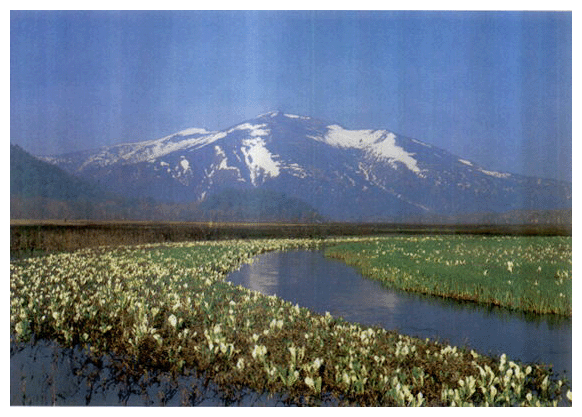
345 174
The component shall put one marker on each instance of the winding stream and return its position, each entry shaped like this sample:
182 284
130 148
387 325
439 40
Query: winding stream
320 284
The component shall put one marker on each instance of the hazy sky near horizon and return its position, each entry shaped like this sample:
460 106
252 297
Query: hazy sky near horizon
491 87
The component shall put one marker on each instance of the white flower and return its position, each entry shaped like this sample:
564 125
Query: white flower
346 378
293 352
259 350
173 321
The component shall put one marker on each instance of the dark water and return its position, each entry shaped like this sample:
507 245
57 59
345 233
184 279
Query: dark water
45 374
320 284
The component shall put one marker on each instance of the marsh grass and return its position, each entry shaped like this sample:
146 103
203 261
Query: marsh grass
166 309
525 273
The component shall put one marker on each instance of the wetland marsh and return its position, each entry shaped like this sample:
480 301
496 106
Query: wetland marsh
166 309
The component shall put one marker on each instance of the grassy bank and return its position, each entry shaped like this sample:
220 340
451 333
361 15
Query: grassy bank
526 273
166 308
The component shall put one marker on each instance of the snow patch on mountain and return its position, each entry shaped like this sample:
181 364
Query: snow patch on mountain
486 172
296 170
388 149
426 145
182 172
379 143
222 165
255 130
495 173
259 160
342 138
271 114
294 116
364 170
184 164
464 161
193 131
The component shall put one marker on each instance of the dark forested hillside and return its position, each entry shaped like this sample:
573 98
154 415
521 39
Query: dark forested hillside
257 205
31 177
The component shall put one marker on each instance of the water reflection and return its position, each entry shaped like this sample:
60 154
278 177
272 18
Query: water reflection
312 281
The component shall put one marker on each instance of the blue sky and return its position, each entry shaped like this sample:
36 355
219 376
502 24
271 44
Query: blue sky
492 87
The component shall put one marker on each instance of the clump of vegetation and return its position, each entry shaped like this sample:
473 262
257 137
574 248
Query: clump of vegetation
166 308
526 273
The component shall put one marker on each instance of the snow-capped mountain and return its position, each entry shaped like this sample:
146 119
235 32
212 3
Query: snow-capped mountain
345 174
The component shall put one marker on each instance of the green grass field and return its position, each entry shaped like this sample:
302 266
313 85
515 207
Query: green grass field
526 273
166 308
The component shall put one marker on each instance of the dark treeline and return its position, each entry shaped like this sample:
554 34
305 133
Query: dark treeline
28 238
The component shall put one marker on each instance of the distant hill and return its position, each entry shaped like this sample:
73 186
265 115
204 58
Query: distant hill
31 177
39 190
